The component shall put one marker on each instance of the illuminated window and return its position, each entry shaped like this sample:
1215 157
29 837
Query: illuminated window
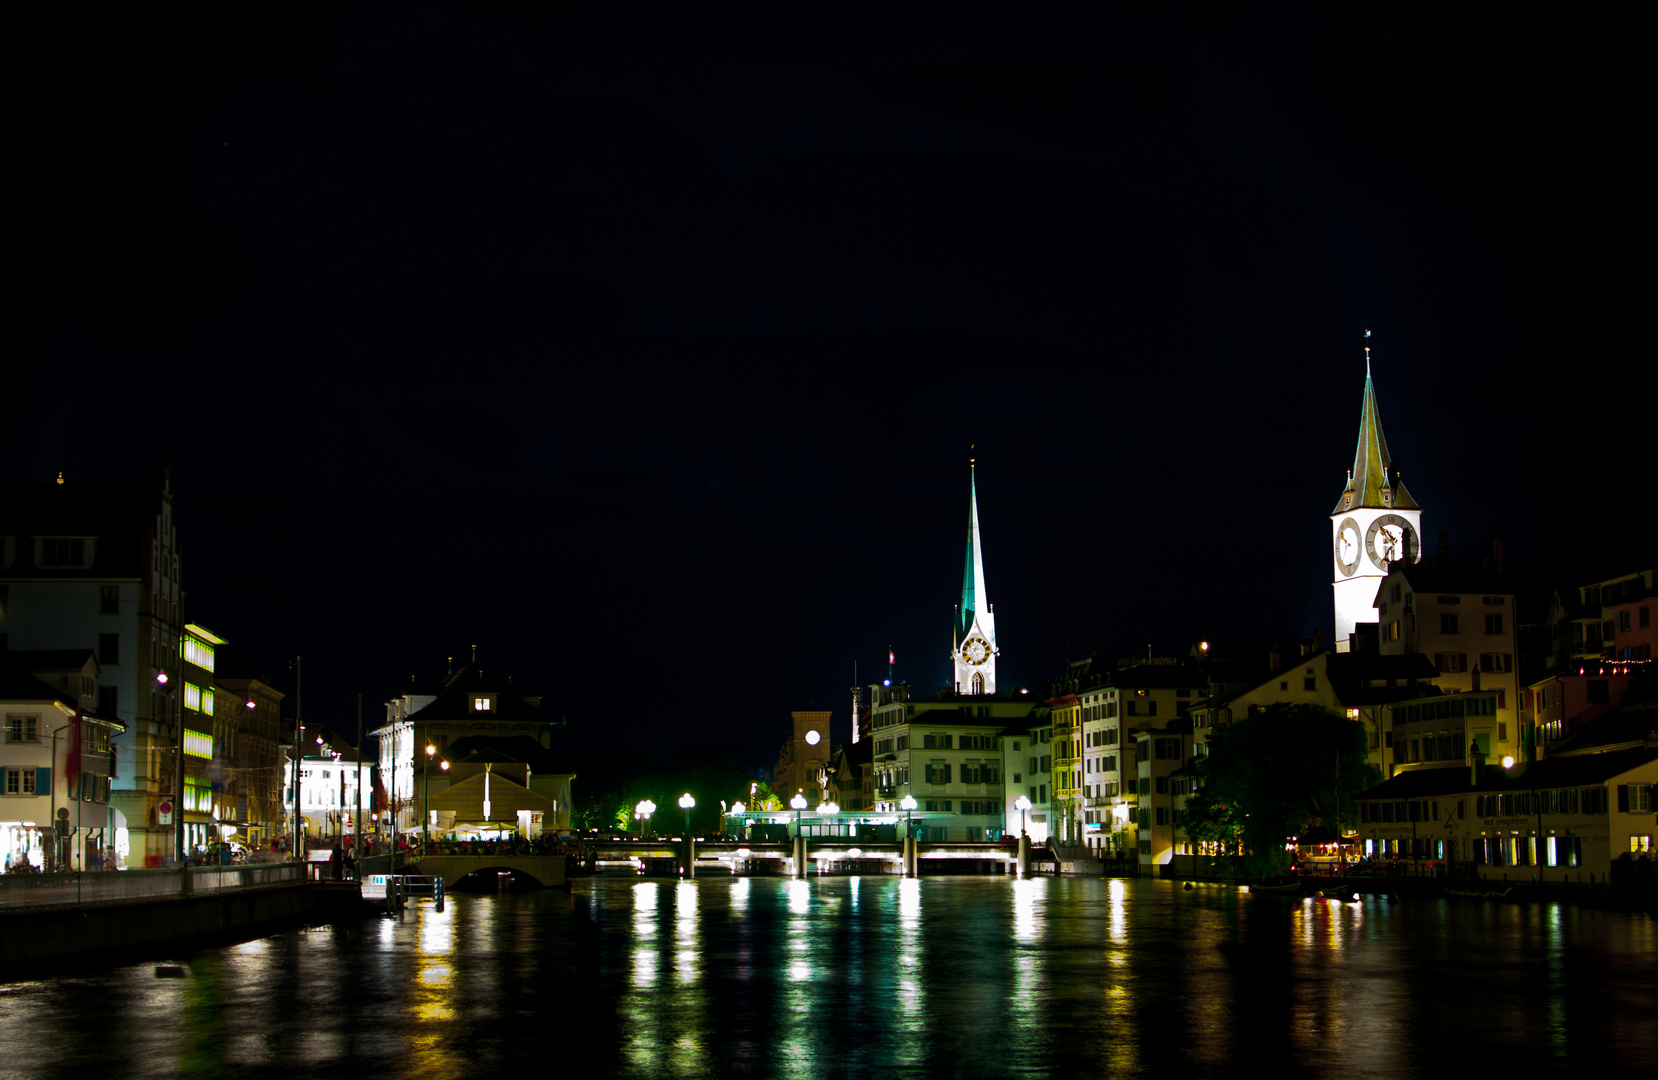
197 652
192 697
198 744
207 702
480 704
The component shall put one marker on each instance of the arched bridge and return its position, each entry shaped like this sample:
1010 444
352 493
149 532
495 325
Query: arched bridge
543 869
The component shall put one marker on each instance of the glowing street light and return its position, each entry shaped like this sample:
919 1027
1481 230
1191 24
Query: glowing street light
1023 804
685 804
799 804
907 804
426 821
643 813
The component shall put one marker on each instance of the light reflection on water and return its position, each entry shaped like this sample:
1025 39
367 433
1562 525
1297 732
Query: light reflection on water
846 976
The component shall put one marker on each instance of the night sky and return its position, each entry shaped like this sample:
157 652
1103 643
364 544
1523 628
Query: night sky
645 351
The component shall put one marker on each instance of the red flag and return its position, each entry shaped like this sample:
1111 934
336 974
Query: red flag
72 758
892 658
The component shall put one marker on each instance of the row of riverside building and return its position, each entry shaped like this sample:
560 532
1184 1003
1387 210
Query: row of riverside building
1506 748
135 736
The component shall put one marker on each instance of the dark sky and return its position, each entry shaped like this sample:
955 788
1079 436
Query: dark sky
644 350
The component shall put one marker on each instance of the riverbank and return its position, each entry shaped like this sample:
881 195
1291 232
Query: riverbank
52 939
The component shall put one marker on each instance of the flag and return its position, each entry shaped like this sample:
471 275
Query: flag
891 657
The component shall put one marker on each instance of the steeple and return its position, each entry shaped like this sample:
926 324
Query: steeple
973 638
1372 482
973 603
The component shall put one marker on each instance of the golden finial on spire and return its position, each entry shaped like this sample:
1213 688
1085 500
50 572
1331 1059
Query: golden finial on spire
60 476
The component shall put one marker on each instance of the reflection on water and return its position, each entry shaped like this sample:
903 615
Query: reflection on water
848 976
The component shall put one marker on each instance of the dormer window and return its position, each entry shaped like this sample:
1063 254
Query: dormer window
483 702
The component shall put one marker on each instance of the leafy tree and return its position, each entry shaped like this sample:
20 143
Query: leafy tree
1276 773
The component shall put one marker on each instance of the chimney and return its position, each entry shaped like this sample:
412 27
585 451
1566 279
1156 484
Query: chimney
1497 550
1477 769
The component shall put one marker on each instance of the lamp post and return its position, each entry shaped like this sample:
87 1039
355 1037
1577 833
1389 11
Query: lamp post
908 804
799 804
1023 858
643 812
685 804
426 811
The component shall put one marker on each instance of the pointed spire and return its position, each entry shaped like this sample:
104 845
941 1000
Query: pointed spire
1372 481
974 603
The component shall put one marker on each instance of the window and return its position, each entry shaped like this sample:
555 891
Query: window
1393 634
1645 613
1448 624
62 551
1451 661
1623 621
198 745
1162 785
109 600
938 774
934 741
22 781
109 701
196 651
1635 798
1166 749
1496 662
1311 683
1494 624
109 648
24 729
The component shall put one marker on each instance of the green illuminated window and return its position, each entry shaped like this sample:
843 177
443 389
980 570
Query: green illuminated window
197 744
197 652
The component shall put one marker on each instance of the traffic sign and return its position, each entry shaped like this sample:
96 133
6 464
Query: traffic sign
165 810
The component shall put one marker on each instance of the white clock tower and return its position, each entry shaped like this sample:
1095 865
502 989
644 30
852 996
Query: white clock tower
1375 522
973 638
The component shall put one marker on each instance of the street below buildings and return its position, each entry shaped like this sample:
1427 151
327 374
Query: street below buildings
949 976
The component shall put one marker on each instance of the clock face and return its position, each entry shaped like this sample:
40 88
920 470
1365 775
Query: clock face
1347 547
1384 541
813 738
976 651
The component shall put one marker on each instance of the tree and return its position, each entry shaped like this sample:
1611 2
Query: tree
1277 773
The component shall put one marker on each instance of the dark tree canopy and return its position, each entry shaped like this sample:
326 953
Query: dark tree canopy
1277 773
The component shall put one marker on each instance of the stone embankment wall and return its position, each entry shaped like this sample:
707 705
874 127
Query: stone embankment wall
33 938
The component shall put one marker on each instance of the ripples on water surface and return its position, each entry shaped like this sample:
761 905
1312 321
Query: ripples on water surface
850 976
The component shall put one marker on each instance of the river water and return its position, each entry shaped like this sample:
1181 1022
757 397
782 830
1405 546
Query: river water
969 976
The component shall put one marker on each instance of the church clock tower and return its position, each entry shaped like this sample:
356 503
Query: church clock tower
1375 522
973 649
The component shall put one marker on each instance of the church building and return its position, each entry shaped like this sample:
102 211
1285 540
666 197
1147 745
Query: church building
1375 523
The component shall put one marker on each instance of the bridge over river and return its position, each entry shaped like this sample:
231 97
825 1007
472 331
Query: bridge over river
663 857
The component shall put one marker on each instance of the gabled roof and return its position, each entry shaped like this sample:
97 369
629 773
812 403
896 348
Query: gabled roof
16 684
1551 772
1433 576
1624 724
454 702
51 659
1372 481
1348 672
520 748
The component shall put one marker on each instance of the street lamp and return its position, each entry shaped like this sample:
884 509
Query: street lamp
426 815
1023 804
799 804
685 804
643 812
907 804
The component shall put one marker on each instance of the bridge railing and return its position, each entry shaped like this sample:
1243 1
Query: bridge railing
24 890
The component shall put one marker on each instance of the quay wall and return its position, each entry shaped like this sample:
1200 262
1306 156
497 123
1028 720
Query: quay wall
34 939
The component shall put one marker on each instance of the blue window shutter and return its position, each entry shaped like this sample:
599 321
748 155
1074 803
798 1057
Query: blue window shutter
43 781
